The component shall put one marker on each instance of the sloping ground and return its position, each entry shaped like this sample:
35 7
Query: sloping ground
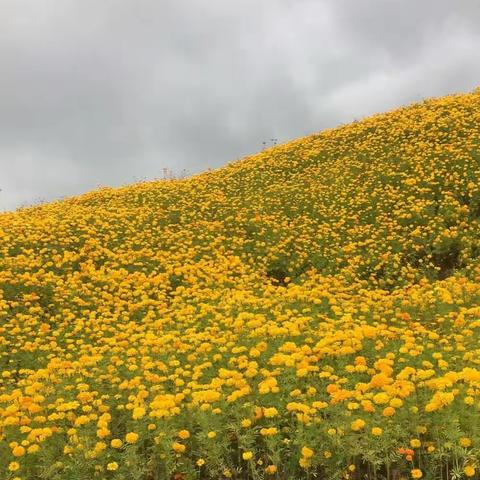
312 310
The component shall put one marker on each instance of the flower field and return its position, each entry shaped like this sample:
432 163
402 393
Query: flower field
308 312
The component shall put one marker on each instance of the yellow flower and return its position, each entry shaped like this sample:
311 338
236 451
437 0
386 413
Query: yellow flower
416 473
245 423
469 471
271 470
112 466
200 462
377 431
184 434
34 448
211 434
103 432
415 443
248 455
465 442
304 462
396 402
307 452
18 451
268 432
131 437
270 412
178 447
116 443
13 466
138 412
381 398
357 425
388 412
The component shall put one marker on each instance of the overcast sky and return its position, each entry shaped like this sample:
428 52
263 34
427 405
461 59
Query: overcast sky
107 92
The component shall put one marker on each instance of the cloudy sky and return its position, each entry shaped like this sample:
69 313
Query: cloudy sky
113 91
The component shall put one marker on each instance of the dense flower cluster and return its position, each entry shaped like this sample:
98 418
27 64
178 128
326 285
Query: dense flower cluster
312 311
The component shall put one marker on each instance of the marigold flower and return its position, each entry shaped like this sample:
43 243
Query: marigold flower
178 447
248 455
415 443
271 469
307 452
469 471
268 432
116 443
304 462
34 448
245 423
388 412
270 412
13 466
416 473
18 451
131 437
465 442
357 425
138 412
396 402
381 398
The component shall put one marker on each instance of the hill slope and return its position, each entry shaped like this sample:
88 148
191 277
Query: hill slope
314 306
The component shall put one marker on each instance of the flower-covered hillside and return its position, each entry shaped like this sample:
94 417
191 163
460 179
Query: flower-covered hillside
311 311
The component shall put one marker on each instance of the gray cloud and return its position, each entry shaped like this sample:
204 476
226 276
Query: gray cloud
104 93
